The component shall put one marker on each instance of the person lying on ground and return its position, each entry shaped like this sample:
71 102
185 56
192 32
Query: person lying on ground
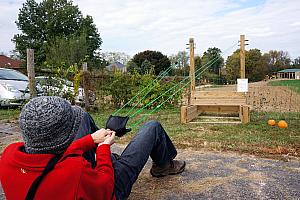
57 158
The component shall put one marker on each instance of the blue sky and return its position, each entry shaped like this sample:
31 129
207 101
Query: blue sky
241 4
249 3
136 25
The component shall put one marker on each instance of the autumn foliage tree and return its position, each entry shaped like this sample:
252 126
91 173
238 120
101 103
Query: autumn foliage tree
276 60
257 64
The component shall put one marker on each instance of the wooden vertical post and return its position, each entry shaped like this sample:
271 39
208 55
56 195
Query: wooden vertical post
192 68
183 114
242 55
244 114
85 86
30 72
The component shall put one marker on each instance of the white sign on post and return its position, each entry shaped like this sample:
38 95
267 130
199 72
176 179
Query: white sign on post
242 85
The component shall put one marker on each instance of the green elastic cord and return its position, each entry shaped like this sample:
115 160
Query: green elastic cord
159 106
163 74
138 111
146 93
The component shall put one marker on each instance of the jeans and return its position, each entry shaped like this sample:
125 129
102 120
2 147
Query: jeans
151 140
86 127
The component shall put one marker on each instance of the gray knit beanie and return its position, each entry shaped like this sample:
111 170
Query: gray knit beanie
49 124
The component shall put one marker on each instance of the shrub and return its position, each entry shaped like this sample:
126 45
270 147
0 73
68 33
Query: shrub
121 88
145 90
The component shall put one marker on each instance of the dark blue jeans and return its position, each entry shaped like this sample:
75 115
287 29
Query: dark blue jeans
151 140
87 126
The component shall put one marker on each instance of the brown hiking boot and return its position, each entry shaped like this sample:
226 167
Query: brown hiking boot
174 167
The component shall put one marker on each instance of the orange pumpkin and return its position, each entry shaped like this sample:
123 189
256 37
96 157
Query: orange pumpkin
282 124
271 122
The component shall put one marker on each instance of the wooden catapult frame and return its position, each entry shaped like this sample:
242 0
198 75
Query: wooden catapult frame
221 102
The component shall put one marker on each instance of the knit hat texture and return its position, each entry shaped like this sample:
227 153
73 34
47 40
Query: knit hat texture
49 124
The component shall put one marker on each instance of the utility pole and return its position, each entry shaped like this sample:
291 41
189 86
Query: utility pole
30 72
242 55
85 86
192 68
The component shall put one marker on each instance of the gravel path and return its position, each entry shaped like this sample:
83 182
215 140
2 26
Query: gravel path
209 175
225 176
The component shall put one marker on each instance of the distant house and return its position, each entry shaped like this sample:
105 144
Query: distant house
7 62
289 74
116 66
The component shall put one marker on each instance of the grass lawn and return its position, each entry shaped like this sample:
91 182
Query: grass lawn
255 138
293 84
8 114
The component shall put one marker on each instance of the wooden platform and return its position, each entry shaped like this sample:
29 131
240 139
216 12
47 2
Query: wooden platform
220 102
200 102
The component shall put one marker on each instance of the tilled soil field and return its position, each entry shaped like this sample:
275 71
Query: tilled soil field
267 98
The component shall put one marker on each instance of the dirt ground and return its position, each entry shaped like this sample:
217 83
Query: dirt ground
211 175
208 175
262 97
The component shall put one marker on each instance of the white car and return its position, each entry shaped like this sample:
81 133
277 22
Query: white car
62 87
13 87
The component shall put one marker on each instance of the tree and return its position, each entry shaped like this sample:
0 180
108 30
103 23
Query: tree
198 63
147 66
210 58
233 66
159 61
279 58
254 65
257 65
97 61
133 68
276 60
43 23
181 59
296 62
211 63
180 63
67 51
255 68
121 57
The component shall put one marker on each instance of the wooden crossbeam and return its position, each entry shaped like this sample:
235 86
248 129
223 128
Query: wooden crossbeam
218 94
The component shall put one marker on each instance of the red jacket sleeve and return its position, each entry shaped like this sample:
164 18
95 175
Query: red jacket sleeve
98 183
83 144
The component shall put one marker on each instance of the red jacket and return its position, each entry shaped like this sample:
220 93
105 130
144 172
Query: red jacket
72 177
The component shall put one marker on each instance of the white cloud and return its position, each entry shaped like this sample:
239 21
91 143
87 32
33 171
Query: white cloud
295 24
137 25
8 15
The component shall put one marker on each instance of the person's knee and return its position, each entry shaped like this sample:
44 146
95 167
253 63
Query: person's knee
150 129
152 124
